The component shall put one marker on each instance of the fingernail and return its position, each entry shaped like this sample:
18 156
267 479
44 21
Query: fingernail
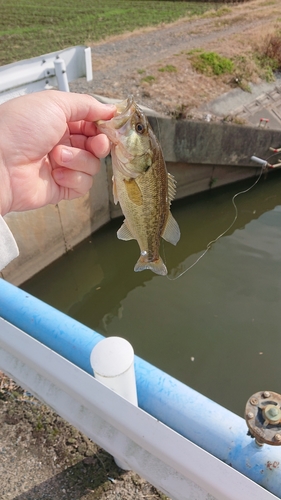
109 105
66 155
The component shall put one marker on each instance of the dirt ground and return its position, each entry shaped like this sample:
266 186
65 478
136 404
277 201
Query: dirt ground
140 63
41 455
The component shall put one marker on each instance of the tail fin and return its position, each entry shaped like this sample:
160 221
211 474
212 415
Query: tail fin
157 266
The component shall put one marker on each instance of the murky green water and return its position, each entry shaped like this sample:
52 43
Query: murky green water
217 328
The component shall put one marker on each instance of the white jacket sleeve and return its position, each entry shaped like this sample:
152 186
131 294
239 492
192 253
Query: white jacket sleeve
8 247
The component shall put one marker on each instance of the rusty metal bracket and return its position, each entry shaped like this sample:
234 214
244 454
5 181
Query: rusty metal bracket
263 417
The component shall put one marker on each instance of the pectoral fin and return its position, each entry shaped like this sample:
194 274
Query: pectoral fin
124 233
171 232
133 191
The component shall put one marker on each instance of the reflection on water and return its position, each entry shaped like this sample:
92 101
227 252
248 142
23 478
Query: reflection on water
217 328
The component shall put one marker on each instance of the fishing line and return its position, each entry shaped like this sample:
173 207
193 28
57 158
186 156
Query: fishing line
210 244
159 133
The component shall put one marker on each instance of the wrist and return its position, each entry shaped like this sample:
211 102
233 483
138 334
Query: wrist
6 149
4 206
8 247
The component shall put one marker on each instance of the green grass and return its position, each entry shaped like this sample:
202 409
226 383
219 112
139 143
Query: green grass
169 68
269 58
148 79
211 63
219 12
29 28
268 3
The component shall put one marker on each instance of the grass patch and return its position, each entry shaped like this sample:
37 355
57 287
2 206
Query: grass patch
169 68
267 67
211 63
261 61
267 55
245 71
221 11
148 79
272 50
29 28
193 51
267 3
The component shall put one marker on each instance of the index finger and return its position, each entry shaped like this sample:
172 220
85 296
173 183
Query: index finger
79 107
83 128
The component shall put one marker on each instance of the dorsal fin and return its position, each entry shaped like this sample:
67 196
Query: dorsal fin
171 187
171 232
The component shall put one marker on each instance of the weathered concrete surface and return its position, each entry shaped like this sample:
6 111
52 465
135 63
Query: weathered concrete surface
83 216
192 179
200 155
263 101
213 143
45 234
40 240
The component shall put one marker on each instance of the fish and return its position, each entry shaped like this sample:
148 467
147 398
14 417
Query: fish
141 184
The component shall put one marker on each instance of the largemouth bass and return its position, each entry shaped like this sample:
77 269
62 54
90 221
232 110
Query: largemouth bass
141 184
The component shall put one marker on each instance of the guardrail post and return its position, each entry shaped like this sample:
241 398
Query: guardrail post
60 70
112 360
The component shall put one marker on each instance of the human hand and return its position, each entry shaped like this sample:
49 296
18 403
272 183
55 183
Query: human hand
49 148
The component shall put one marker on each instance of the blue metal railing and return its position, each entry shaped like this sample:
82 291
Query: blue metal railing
202 421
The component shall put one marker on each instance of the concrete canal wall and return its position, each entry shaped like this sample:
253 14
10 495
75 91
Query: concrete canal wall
200 155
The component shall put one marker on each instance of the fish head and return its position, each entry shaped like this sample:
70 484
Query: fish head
131 143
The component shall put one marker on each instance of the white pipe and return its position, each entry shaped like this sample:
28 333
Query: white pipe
209 425
181 469
259 161
112 360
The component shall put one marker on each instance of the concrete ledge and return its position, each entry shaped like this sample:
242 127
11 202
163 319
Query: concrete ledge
210 143
45 234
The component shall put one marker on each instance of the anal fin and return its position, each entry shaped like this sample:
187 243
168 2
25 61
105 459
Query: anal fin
124 233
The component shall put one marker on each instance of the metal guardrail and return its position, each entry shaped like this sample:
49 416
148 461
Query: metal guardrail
173 464
44 72
54 358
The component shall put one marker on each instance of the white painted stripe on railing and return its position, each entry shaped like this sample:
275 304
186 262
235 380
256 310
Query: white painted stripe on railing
179 468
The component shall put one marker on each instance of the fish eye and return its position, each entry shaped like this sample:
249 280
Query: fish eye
139 128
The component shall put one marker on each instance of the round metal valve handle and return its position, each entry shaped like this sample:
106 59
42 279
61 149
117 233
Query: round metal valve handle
263 417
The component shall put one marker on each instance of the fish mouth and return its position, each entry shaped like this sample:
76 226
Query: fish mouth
118 130
124 110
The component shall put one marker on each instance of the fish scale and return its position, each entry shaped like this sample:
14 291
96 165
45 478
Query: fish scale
141 184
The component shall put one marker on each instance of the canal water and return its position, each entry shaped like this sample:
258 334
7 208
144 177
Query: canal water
218 327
